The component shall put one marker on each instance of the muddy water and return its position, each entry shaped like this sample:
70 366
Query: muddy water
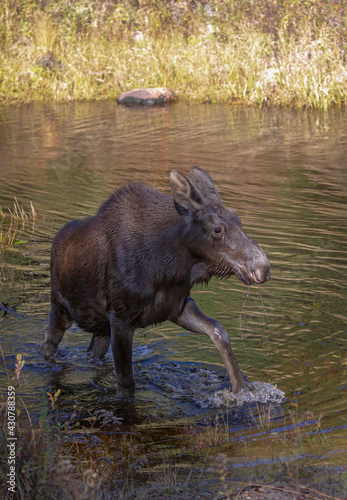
284 171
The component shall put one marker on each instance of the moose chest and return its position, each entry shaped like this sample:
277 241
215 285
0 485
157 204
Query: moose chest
151 303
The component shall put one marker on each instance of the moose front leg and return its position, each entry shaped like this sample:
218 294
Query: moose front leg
122 346
191 318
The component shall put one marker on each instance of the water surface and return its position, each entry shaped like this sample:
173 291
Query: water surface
285 171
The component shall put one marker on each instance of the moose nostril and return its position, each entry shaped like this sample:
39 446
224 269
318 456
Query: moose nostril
261 275
258 275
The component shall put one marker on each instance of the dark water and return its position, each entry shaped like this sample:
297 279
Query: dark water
285 171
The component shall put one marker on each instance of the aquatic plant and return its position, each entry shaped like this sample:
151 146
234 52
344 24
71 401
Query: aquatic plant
263 418
77 459
12 224
14 221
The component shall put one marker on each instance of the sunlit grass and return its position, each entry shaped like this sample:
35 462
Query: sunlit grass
94 50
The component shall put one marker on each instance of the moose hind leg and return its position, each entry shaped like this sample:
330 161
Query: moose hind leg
98 346
59 322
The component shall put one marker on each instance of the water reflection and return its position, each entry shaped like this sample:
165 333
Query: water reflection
285 173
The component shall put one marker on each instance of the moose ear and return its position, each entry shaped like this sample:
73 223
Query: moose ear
202 181
185 195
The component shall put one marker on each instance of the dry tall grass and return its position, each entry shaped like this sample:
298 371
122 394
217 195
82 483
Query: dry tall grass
280 52
12 223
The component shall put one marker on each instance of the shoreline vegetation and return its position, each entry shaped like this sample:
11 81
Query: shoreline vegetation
79 456
271 52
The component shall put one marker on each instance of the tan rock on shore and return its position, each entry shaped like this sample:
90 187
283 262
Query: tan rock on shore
151 96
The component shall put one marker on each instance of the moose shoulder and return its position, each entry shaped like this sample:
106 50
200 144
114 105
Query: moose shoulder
134 263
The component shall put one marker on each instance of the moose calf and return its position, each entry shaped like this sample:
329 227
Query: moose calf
134 263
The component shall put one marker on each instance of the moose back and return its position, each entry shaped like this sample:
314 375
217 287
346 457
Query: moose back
134 263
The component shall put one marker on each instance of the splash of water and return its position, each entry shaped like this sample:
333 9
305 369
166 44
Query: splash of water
206 388
242 308
257 392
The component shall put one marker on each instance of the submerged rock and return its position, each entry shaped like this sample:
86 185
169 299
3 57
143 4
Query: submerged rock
158 95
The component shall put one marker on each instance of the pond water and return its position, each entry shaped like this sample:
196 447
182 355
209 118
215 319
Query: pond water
285 171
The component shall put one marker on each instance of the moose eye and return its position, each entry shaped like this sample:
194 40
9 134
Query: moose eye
218 231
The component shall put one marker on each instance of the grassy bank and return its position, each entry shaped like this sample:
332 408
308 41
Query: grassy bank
284 52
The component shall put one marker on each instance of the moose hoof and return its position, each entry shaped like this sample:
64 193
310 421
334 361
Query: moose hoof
48 350
126 392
